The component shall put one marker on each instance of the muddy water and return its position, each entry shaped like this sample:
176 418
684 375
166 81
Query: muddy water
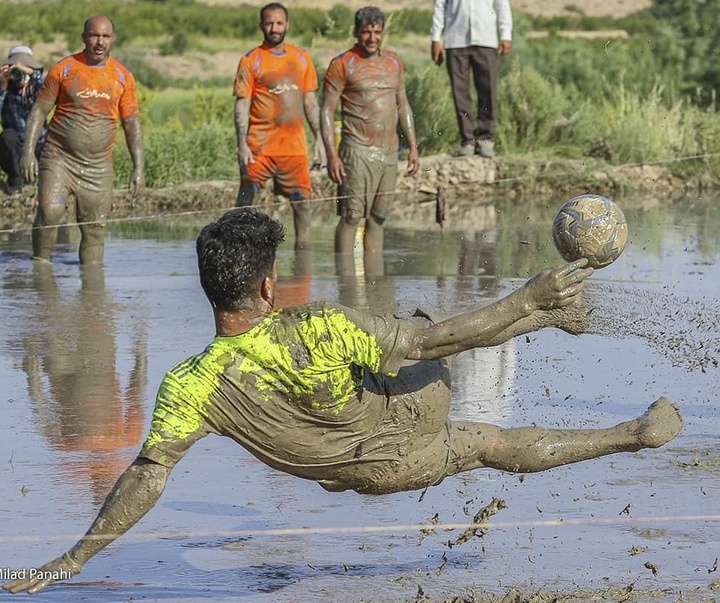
82 353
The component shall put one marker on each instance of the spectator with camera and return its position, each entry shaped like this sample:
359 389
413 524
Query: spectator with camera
21 77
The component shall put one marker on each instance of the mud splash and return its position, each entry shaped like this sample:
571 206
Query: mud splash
685 331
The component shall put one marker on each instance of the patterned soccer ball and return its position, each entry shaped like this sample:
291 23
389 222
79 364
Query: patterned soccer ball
590 226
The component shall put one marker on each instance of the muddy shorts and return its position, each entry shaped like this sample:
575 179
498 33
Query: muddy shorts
62 175
369 184
290 175
412 448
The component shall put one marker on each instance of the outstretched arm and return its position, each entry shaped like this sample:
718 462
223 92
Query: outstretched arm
134 494
548 299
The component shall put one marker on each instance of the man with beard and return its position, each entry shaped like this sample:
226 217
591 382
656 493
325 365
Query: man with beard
89 91
274 85
21 78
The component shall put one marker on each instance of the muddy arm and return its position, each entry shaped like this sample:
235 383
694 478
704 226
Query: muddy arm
312 114
407 126
33 129
135 493
549 299
241 117
136 147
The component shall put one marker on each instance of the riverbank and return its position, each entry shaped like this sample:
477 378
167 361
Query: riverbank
471 183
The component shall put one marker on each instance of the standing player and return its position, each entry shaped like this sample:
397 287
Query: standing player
274 85
371 85
89 92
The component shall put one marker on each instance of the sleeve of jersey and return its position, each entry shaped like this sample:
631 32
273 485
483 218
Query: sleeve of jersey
376 342
334 76
51 86
128 105
310 83
243 85
178 419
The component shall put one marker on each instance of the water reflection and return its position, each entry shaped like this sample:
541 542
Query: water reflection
362 282
73 383
296 289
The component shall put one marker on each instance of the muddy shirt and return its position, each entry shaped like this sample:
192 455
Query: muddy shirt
299 391
88 100
368 88
276 85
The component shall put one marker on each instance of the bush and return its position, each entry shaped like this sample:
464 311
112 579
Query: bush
430 98
531 110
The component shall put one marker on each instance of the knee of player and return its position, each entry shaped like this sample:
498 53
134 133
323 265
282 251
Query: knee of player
247 194
351 220
378 219
297 197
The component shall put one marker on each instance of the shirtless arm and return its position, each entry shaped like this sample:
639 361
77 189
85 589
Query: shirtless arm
136 147
134 494
550 298
33 130
242 120
312 114
336 169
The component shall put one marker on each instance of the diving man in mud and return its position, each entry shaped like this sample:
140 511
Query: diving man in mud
370 83
89 91
350 400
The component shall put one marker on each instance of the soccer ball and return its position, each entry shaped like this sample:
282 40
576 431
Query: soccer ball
590 226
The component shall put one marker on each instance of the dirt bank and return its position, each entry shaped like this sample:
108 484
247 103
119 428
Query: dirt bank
470 182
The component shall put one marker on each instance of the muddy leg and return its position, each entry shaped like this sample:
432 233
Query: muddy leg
301 214
531 449
374 235
345 234
52 200
92 243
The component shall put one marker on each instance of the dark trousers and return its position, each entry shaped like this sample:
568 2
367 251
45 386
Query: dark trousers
10 153
482 63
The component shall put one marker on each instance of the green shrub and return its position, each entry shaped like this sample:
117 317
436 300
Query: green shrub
430 98
530 111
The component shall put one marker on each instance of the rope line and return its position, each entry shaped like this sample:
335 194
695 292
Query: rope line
420 527
163 215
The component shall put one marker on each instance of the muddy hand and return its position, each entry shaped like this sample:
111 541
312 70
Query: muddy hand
36 579
137 182
319 156
557 287
29 167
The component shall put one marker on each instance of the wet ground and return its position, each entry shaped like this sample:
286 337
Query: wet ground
82 353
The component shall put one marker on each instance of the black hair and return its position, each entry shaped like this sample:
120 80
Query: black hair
273 6
370 15
235 253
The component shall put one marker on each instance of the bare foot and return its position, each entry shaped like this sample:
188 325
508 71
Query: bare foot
660 424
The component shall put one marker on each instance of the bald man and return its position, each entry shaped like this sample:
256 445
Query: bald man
90 91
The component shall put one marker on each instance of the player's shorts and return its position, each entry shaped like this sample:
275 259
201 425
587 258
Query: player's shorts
369 183
62 175
290 175
412 448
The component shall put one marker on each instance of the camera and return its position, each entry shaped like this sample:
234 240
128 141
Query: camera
16 77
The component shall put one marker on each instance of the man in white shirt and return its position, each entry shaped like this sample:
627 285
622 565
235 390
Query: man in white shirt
475 32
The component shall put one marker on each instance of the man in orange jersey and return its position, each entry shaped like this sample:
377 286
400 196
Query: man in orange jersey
89 91
371 85
274 85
